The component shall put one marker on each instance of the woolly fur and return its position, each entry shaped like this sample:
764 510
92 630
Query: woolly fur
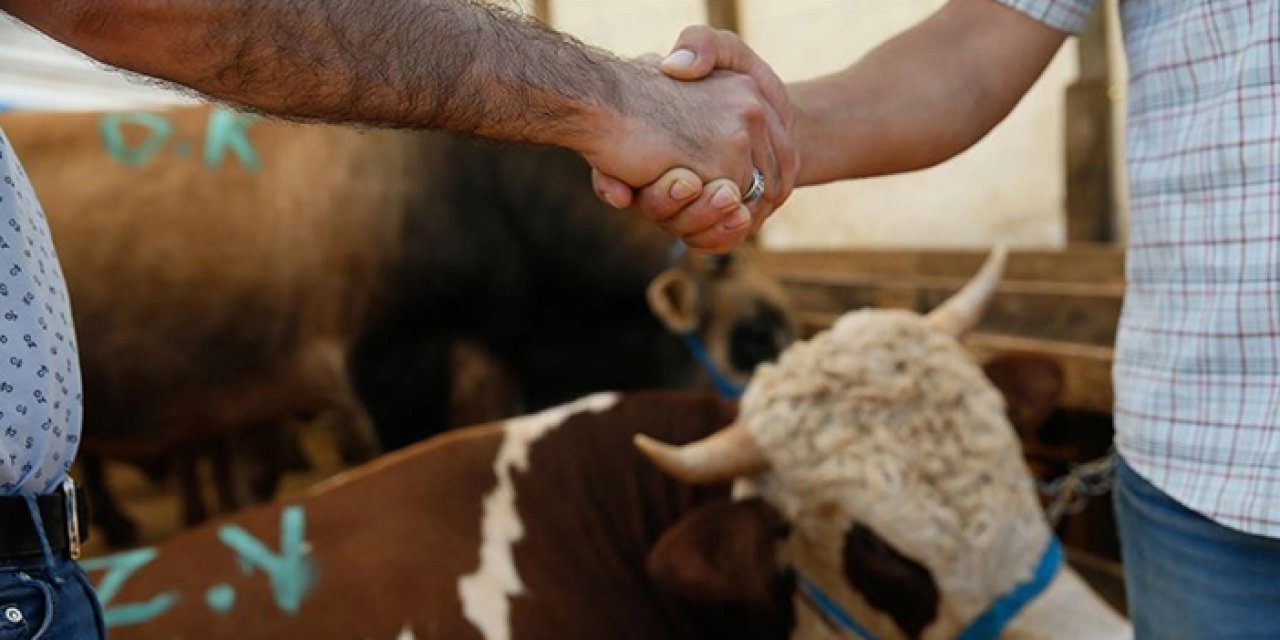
885 421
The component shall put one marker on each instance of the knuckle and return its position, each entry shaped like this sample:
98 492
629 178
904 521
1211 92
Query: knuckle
743 83
696 33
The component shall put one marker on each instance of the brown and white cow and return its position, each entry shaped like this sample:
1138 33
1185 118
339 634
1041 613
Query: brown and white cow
536 527
874 461
228 273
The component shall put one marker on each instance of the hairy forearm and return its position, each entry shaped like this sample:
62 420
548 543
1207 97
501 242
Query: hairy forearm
453 64
922 97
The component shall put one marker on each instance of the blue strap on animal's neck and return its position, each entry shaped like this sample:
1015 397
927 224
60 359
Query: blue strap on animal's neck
829 609
987 626
726 387
723 384
992 622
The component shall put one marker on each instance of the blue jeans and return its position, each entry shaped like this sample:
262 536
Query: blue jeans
1189 577
47 597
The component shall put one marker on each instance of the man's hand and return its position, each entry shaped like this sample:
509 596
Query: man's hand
678 200
720 127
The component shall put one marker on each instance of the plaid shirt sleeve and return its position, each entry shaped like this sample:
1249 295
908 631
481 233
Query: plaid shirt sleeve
1064 15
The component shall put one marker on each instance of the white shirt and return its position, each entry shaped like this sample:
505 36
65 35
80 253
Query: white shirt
40 403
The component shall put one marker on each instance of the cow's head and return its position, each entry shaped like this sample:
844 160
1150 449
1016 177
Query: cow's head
742 316
876 460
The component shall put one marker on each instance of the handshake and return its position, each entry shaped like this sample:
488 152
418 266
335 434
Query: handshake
703 144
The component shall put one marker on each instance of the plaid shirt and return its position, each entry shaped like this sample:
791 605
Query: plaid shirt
1197 369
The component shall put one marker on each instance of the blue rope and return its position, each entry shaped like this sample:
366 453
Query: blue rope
987 626
991 623
726 387
833 612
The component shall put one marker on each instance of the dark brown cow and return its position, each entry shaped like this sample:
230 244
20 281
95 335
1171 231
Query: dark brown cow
538 527
228 274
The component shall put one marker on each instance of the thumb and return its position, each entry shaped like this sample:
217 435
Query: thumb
694 55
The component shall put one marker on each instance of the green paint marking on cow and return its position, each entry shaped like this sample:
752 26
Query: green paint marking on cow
119 568
229 129
225 130
221 598
292 572
111 127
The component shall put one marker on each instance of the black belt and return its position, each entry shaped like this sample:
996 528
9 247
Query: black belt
18 536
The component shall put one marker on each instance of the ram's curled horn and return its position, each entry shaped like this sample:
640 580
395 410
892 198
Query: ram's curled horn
961 313
720 457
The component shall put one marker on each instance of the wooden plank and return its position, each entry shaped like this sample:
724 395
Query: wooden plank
723 14
1073 312
542 11
1079 263
1089 132
1086 368
1106 577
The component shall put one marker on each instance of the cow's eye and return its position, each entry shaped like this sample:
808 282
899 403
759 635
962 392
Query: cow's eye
890 581
757 339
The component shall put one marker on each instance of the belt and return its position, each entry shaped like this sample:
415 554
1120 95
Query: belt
65 516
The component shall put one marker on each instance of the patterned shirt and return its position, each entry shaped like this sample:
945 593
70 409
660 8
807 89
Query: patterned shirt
40 406
1197 367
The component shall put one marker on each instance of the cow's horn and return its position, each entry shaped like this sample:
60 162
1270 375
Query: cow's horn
719 457
961 313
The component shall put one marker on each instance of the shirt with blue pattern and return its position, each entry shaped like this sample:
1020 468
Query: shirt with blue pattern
40 394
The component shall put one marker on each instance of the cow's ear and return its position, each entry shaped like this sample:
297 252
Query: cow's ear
1032 385
723 552
673 297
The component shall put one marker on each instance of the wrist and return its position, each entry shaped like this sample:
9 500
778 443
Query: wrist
600 120
812 134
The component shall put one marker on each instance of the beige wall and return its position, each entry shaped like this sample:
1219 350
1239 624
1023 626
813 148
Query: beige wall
627 27
1007 188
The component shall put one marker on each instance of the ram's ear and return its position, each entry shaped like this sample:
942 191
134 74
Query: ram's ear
724 552
673 297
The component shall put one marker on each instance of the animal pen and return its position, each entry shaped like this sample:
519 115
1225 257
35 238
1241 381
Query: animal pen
537 375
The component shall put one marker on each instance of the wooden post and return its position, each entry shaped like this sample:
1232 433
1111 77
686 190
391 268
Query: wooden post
542 11
723 14
1089 134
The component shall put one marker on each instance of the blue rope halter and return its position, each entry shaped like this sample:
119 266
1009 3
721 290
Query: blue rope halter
987 626
723 384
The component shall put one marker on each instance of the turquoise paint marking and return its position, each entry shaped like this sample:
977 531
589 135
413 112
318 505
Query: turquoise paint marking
228 129
221 598
292 572
113 136
119 568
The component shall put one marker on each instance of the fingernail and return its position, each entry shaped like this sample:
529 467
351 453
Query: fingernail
723 198
680 59
608 197
681 190
738 220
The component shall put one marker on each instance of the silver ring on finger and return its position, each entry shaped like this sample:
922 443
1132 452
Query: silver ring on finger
756 189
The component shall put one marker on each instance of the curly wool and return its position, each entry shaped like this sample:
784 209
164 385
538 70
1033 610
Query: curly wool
885 421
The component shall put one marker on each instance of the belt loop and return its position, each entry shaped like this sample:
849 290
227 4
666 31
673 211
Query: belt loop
34 511
72 517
